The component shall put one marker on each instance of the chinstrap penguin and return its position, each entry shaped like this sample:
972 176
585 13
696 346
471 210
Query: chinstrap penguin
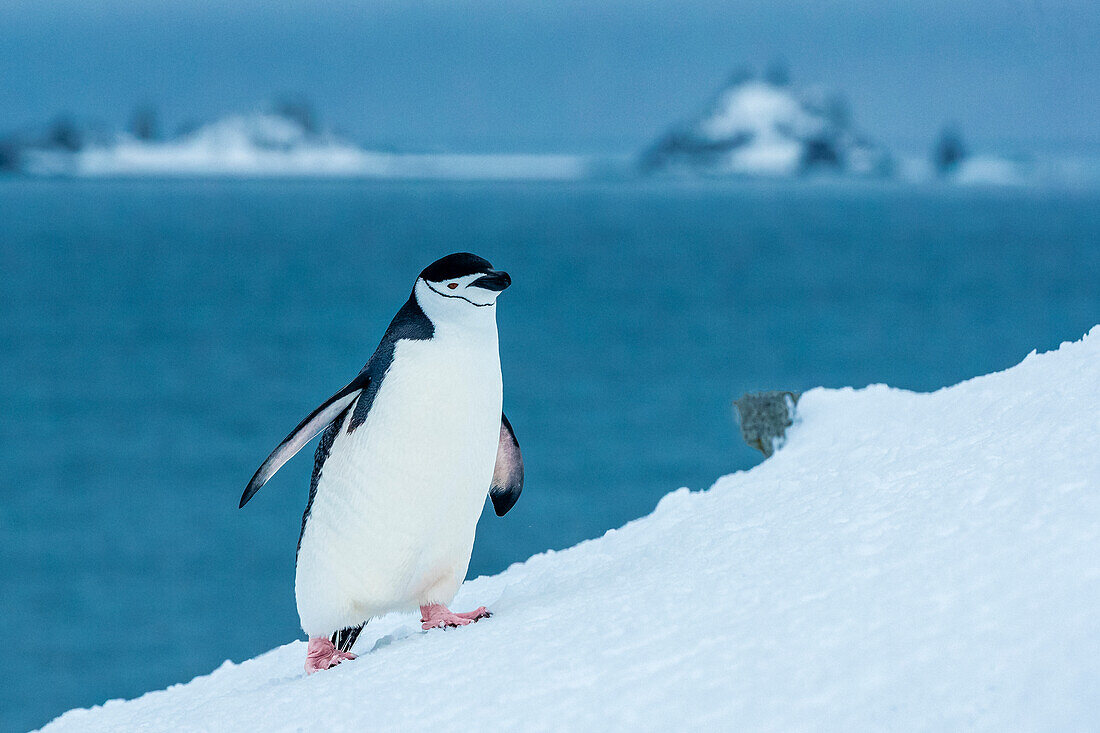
409 449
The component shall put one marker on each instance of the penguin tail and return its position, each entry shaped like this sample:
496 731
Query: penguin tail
344 639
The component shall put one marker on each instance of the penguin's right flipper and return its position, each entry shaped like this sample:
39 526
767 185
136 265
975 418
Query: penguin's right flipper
508 472
306 431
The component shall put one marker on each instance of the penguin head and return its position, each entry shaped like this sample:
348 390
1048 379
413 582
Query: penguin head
459 283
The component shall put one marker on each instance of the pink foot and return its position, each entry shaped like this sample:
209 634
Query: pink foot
322 654
438 616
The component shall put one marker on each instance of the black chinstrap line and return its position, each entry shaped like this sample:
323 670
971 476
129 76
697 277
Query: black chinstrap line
479 305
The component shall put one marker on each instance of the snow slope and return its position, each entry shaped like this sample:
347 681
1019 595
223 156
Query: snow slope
906 561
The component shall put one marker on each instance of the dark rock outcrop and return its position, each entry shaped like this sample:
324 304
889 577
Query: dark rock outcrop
764 418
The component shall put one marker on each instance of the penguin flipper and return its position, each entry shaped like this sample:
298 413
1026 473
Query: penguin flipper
508 473
306 431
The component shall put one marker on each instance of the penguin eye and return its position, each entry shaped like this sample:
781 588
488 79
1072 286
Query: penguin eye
452 286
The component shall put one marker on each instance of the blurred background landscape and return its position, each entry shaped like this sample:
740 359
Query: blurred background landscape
208 215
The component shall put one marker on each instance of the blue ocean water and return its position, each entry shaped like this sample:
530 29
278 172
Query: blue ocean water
159 338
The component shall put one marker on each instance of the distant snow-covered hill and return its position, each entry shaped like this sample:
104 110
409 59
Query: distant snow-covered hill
257 144
757 127
265 144
905 562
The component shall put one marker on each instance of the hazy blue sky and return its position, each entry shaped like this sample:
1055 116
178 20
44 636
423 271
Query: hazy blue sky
559 74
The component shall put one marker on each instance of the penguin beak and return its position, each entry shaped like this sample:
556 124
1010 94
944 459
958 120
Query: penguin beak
494 280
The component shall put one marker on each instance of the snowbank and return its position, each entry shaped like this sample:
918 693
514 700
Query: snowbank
905 561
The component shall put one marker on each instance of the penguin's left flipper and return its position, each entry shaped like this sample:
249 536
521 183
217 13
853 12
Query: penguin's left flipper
306 431
508 474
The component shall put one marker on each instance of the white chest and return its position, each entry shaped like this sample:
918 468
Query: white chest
399 497
432 431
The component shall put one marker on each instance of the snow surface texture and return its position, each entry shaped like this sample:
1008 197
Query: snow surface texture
905 561
759 128
269 144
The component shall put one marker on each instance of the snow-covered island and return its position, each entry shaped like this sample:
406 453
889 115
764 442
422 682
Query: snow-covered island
278 142
951 161
904 562
765 127
753 128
